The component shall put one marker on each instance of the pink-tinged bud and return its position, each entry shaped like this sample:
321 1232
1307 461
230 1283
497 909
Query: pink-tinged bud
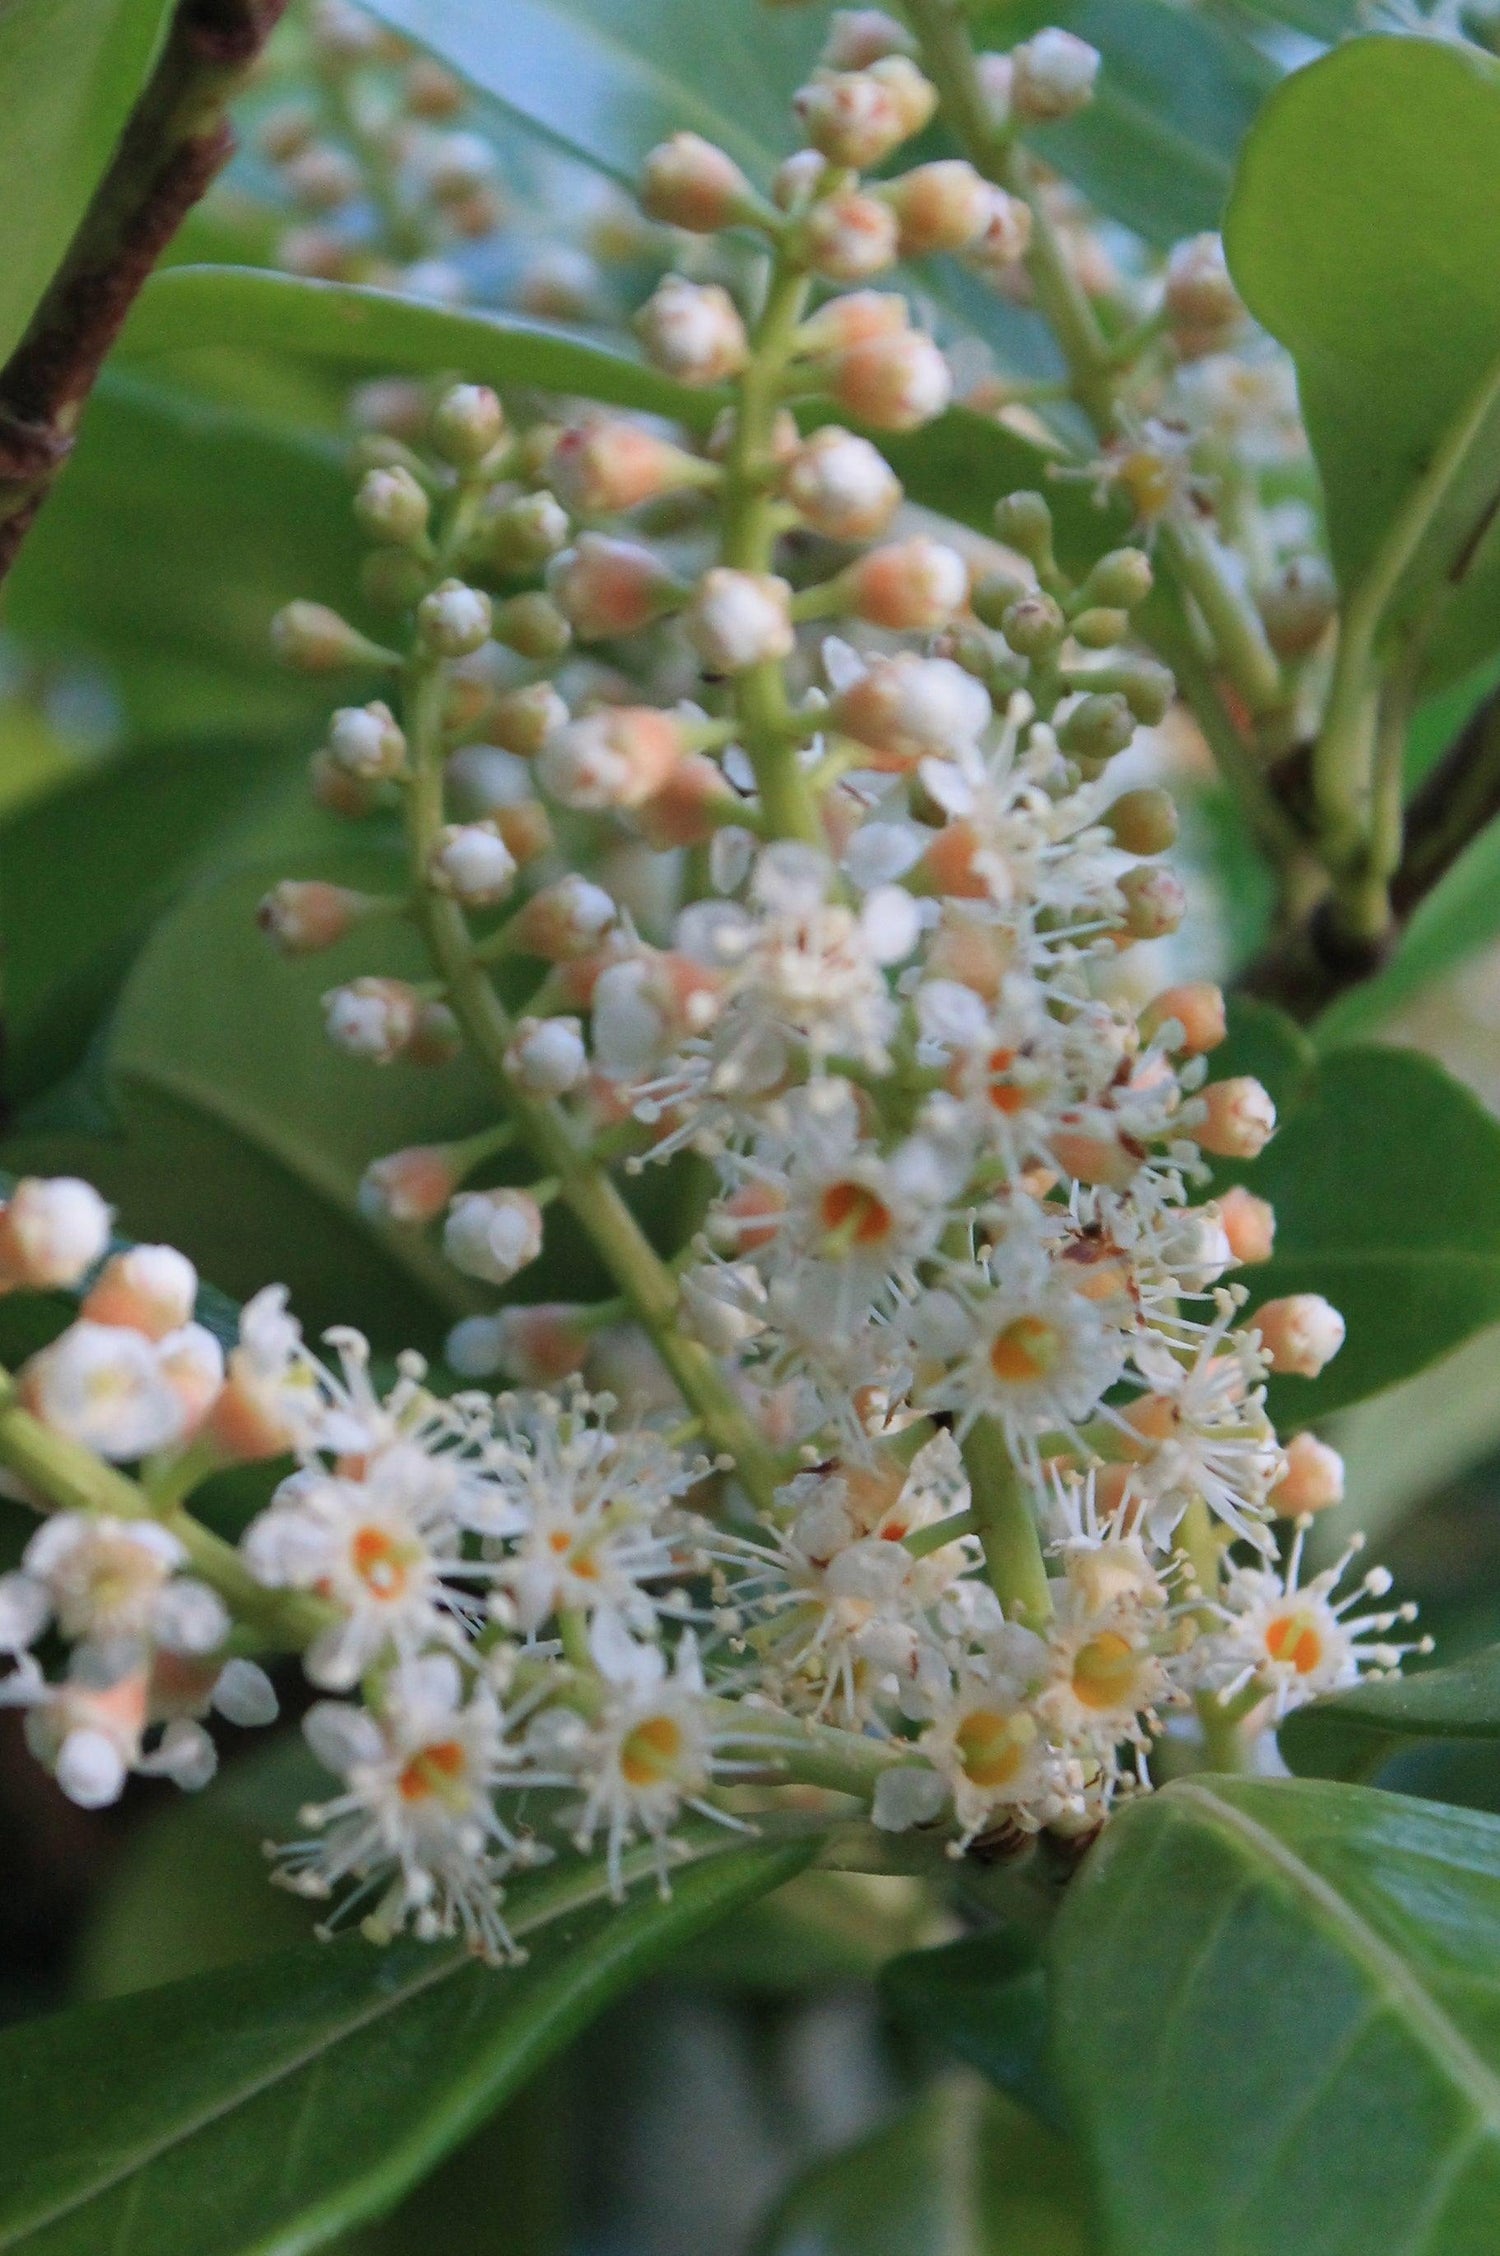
1097 1159
856 319
940 207
645 1004
797 179
692 331
915 96
1297 606
606 588
739 619
1005 237
522 720
911 587
493 1235
411 1186
893 383
1155 901
547 1056
606 464
191 1363
850 118
526 828
858 37
849 236
311 639
564 920
52 1230
341 793
454 620
535 1347
689 806
842 486
1239 1118
906 707
391 506
365 741
1314 1478
1300 1334
1197 1007
472 864
302 917
687 182
617 757
1202 304
1249 1224
1051 76
751 1216
466 424
151 1289
371 1018
436 1038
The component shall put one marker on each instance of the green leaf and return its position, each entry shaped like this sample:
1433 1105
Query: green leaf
984 2000
1278 2022
70 71
959 2174
1351 1735
1373 254
267 2108
1385 1176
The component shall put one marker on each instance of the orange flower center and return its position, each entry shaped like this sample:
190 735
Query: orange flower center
439 1769
651 1752
852 1215
1295 1638
1027 1349
381 1562
1004 1095
1106 1671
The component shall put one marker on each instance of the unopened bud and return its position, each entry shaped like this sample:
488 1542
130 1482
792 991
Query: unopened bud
547 1056
300 918
1005 237
1300 1334
1313 1479
739 619
436 1039
1155 901
858 37
522 720
341 793
1143 821
371 1018
857 118
1051 76
431 91
842 486
52 1229
1098 629
849 236
535 1346
493 1235
314 640
467 423
894 382
912 587
1249 1224
687 182
365 741
1297 606
1239 1118
689 807
472 863
1024 522
940 207
410 1187
322 178
149 1288
532 625
1148 689
607 464
391 506
1120 580
454 620
520 532
616 757
1097 728
692 331
605 588
856 319
1197 1007
564 920
1033 626
394 579
994 592
1203 306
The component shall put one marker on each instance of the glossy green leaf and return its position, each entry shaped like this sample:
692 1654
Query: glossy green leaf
1278 2022
267 2108
1365 233
984 2000
961 2173
1385 1176
1350 1736
70 72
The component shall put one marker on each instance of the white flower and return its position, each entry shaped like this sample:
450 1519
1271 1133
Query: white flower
493 1234
103 1386
52 1229
1296 1641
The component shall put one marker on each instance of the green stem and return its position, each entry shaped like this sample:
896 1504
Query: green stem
1007 1528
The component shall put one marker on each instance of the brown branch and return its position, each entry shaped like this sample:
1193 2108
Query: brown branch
175 141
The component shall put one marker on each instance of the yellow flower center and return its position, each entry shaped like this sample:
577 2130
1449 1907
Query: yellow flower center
1106 1671
651 1751
1027 1349
992 1745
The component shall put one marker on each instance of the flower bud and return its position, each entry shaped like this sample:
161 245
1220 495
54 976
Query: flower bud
1313 1479
689 807
1239 1118
191 1363
410 1187
797 180
912 587
1005 237
607 464
1197 1007
52 1229
536 1346
532 625
455 166
842 486
1098 629
518 532
394 579
435 1039
1202 304
893 383
645 1004
302 917
858 37
605 588
365 741
311 639
467 422
431 91
1024 522
1297 606
1155 901
994 592
856 118
1097 728
1143 821
617 757
493 1235
1300 1334
391 506
907 707
371 1018
100 1385
454 620
339 792
149 1288
1051 76
1033 625
1249 1224
563 920
739 619
472 863
522 720
692 331
857 319
848 236
547 1056
322 178
687 182
1120 580
940 207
